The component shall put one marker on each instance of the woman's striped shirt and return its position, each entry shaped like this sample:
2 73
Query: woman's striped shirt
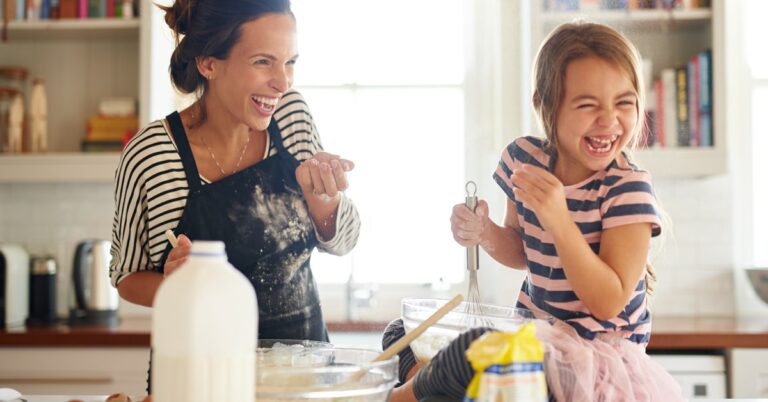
151 190
619 195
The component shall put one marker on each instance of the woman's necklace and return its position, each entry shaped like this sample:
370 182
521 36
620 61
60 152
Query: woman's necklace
218 165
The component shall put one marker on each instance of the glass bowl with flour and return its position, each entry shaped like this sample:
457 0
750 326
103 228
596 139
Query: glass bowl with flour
318 371
460 319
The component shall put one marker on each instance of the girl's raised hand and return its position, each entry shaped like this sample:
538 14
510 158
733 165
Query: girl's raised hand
324 174
467 226
542 192
178 255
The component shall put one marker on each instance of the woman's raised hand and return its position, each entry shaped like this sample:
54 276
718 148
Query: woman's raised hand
467 226
324 174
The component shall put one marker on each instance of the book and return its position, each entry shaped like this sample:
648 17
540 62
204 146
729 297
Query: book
101 146
670 106
705 98
683 128
693 102
112 128
68 8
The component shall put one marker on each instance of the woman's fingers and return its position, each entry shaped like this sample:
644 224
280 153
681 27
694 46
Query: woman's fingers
329 179
324 174
317 180
340 175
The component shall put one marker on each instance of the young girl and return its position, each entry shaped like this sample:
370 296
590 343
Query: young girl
580 217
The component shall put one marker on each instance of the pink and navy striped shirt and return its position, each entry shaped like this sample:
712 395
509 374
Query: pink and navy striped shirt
619 195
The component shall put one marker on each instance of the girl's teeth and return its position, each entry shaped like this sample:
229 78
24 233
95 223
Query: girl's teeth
604 144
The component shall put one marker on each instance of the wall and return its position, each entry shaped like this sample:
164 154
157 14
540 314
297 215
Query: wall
52 219
694 266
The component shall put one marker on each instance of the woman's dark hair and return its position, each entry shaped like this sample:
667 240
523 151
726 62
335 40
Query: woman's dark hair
209 28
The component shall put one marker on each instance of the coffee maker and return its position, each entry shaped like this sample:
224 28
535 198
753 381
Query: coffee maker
14 285
94 300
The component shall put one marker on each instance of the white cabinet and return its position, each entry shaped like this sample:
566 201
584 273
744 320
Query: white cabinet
76 370
749 373
699 376
667 39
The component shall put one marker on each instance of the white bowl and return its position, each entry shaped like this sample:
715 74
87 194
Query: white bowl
460 319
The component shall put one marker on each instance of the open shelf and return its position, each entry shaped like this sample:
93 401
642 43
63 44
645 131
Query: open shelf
67 29
682 162
59 167
634 19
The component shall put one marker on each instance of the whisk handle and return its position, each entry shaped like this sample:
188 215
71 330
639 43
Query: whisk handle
473 255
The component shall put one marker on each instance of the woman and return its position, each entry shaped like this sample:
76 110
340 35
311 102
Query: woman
243 165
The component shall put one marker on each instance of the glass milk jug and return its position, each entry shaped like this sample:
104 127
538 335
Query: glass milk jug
204 331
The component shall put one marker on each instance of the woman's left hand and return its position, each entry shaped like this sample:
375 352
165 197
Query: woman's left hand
323 175
542 192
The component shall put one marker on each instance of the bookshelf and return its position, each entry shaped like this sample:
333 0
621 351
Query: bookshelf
82 61
668 38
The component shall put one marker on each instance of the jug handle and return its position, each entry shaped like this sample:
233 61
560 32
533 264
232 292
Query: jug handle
78 276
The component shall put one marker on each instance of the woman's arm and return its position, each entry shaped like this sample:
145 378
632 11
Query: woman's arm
322 177
140 287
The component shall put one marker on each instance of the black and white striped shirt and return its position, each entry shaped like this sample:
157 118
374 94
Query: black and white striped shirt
151 190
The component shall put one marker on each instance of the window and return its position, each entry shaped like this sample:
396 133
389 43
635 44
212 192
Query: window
385 83
757 59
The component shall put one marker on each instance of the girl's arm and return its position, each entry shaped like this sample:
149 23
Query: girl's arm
604 282
503 243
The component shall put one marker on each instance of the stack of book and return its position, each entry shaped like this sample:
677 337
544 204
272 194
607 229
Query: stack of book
680 105
112 127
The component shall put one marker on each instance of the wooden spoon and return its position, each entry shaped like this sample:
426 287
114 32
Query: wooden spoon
406 340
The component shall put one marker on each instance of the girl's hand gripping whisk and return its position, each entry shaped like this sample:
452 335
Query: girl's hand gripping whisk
473 309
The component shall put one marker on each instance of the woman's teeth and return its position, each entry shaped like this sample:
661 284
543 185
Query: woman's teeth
600 144
266 103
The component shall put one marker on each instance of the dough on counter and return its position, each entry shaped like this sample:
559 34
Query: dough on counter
120 397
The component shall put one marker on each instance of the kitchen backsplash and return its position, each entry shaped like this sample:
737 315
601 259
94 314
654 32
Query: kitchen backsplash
694 268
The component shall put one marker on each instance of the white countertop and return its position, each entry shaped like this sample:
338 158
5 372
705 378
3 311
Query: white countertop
102 398
67 398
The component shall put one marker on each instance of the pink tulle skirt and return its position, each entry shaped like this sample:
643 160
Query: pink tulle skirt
606 369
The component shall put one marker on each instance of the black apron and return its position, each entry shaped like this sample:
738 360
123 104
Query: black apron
261 216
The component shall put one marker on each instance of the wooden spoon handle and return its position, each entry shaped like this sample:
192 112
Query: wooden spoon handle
396 347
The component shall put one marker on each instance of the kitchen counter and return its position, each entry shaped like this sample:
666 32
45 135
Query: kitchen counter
669 333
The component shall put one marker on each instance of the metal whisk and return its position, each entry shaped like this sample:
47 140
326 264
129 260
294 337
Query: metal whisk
473 306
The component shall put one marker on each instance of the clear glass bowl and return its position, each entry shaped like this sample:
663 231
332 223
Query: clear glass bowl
320 372
439 335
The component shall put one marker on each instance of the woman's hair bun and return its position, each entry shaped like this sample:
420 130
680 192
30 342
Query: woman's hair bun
179 15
